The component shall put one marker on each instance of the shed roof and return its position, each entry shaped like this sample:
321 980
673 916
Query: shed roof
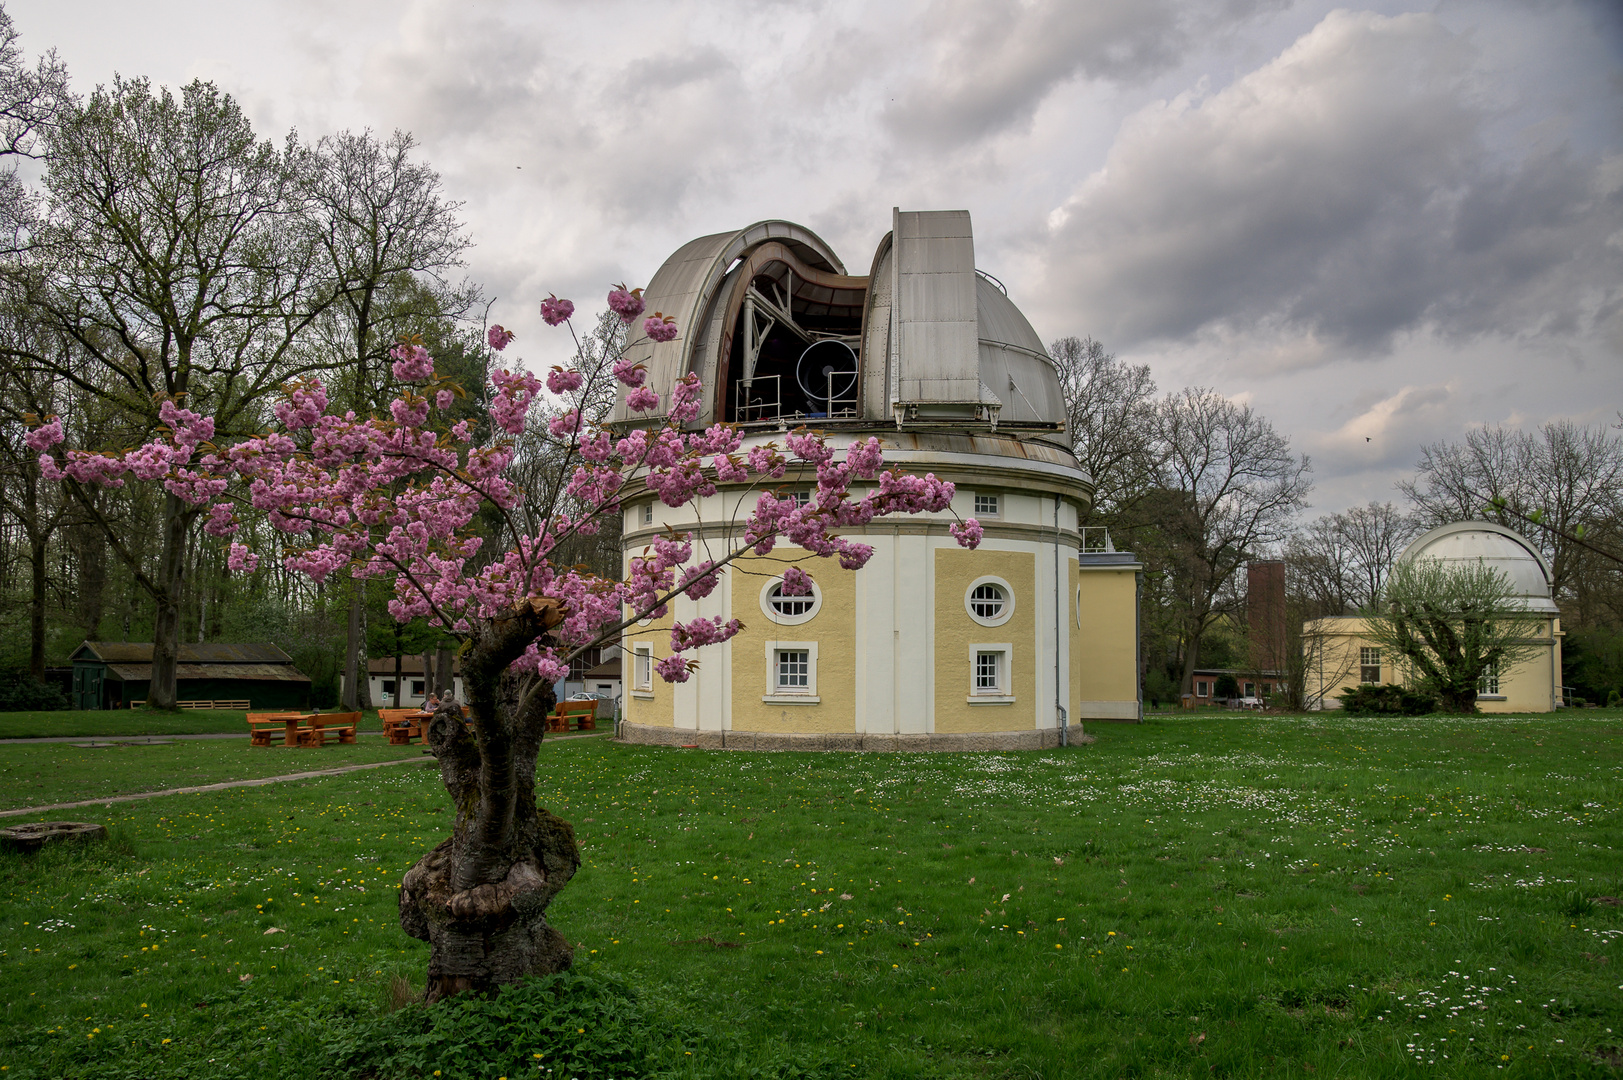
140 652
248 672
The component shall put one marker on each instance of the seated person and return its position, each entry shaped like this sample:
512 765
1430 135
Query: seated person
432 703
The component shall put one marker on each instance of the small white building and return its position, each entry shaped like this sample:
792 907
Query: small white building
380 672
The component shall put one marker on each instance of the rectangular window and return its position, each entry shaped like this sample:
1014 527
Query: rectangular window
988 673
1200 687
417 686
1250 689
642 667
792 671
1369 665
388 687
801 498
647 513
986 504
1489 682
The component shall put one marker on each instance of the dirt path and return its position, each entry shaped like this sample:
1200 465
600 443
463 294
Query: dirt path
261 782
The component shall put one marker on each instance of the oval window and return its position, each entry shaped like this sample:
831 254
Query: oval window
788 610
989 601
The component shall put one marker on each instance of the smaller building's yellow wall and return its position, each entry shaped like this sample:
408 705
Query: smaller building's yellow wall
1104 647
1333 656
956 634
833 629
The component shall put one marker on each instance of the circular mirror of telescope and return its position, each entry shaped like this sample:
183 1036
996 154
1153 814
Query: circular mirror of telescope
827 369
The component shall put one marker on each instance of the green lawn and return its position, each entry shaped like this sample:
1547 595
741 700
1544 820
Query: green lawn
116 722
1223 895
38 774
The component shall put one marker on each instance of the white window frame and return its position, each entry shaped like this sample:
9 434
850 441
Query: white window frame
1008 600
776 695
1487 685
419 688
647 513
1201 687
777 618
642 671
1004 693
1369 657
983 497
801 496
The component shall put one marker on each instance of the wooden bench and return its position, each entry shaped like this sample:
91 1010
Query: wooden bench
339 725
265 728
573 716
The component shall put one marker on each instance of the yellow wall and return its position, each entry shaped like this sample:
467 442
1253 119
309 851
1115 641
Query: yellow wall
655 707
1526 687
956 632
1104 650
833 628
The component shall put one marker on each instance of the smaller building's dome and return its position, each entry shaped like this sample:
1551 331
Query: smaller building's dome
1492 545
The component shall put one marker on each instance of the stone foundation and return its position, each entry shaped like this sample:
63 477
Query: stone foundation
650 735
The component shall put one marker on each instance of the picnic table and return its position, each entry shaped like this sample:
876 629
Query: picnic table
263 727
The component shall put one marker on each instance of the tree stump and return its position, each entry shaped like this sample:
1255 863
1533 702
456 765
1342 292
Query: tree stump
36 834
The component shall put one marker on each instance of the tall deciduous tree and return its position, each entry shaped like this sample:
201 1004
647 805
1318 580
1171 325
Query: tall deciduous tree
31 99
1110 413
1231 489
1453 623
389 239
1566 476
177 255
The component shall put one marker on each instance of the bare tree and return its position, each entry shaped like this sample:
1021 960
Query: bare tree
176 257
1233 488
31 99
381 217
1110 412
1566 478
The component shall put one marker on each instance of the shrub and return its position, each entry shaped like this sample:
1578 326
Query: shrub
21 692
1614 700
1226 687
1388 700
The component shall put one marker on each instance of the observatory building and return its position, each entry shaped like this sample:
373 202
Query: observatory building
930 646
1339 654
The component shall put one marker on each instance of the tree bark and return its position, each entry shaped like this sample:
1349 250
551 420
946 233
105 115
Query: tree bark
479 899
163 691
352 651
37 554
444 672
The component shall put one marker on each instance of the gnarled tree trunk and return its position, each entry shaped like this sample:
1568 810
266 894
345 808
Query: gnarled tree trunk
480 898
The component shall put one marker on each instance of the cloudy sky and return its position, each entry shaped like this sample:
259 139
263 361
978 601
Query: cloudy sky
1380 225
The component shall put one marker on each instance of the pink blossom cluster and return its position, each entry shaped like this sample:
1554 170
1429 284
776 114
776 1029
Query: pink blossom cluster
626 303
498 337
555 311
402 499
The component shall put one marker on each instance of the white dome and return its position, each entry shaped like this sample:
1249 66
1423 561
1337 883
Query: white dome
1493 545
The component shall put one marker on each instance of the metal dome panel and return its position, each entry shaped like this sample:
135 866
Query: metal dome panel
1492 545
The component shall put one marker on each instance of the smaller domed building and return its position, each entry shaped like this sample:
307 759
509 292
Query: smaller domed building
1341 655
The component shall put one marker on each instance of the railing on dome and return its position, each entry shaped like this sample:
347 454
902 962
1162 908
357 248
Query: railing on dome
1097 538
761 398
751 400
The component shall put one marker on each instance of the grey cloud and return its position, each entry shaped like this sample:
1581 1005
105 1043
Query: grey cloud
1344 190
988 64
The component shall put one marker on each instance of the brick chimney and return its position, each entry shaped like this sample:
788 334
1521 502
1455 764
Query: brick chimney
1265 613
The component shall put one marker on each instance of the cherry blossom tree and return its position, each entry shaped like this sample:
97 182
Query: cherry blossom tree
401 497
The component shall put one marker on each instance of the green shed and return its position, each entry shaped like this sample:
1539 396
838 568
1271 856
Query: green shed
115 674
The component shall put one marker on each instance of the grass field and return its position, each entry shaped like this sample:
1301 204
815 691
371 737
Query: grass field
117 722
1221 895
38 774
